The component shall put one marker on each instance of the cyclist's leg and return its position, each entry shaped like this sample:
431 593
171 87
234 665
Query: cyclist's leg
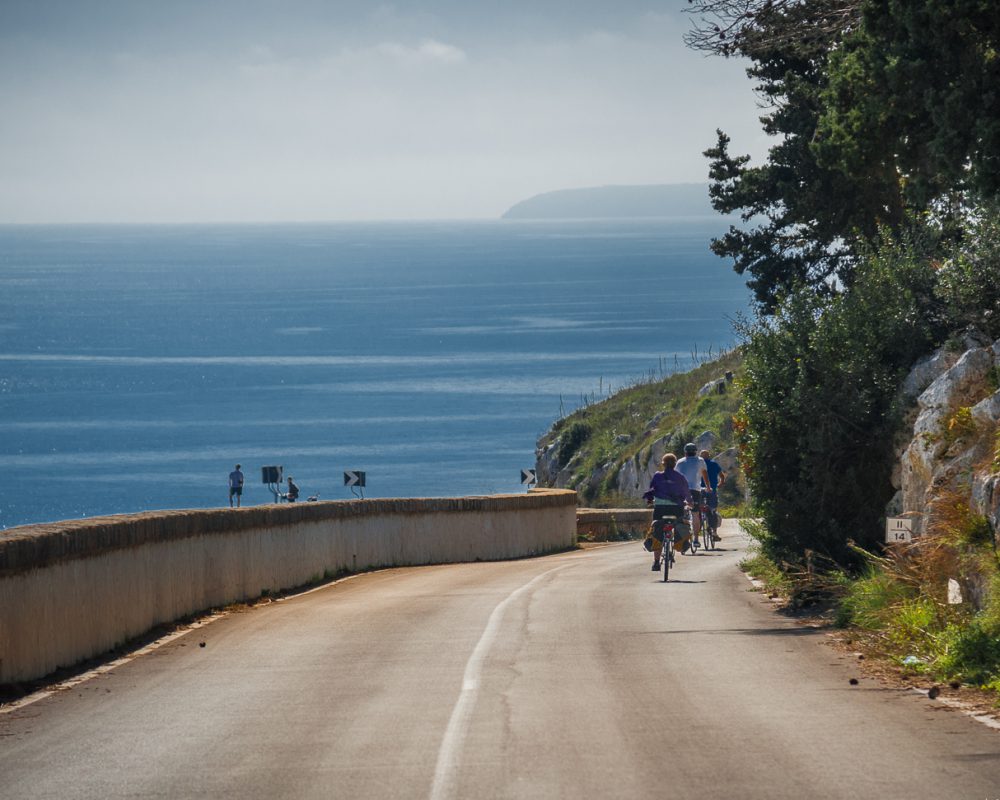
713 510
657 532
696 514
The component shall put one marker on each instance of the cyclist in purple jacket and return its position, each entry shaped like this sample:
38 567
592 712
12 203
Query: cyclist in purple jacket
668 492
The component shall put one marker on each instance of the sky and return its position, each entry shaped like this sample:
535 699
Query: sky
304 110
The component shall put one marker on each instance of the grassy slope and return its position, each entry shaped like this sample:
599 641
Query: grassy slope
615 429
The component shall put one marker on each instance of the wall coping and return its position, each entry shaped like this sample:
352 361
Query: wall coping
605 514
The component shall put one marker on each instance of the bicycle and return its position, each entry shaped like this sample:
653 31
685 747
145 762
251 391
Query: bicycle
667 527
699 507
708 520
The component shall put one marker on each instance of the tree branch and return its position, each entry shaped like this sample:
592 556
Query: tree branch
744 27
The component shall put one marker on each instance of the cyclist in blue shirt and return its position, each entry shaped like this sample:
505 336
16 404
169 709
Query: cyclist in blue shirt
716 478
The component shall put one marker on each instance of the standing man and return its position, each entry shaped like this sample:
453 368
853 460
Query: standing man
235 486
692 467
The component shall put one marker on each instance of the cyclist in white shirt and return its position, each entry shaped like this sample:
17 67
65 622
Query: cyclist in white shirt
693 467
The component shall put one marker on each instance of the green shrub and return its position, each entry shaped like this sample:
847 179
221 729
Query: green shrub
971 652
571 440
976 531
969 281
820 411
911 626
869 601
757 564
959 426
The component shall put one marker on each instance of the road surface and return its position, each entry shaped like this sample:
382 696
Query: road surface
578 675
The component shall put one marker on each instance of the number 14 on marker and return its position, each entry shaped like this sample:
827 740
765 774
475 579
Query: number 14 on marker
898 529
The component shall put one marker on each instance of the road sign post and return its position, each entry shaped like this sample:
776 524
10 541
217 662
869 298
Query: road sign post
271 477
355 478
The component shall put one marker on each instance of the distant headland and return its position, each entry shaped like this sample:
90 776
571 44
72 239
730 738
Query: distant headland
617 202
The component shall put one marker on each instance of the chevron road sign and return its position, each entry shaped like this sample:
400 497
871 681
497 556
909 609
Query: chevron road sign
354 477
528 476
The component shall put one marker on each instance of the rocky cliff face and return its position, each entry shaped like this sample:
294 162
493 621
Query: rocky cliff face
609 454
635 473
954 442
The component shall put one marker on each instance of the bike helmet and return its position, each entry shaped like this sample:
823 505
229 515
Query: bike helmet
690 449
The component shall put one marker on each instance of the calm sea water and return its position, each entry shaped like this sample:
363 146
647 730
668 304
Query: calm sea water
139 364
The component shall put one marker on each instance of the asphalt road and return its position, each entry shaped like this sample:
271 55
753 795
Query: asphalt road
579 675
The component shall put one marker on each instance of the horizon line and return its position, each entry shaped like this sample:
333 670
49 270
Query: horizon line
365 221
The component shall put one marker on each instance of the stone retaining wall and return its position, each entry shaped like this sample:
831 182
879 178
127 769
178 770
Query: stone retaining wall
73 590
612 524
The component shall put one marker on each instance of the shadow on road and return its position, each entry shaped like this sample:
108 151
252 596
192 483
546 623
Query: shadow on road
745 631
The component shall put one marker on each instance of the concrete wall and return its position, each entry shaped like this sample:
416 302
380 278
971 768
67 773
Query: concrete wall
73 590
612 524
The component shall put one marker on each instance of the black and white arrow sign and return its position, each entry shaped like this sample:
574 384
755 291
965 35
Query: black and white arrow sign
354 477
528 476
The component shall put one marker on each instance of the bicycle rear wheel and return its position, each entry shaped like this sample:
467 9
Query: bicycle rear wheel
668 553
709 531
694 541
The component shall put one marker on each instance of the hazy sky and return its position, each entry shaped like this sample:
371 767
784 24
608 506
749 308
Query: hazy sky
255 110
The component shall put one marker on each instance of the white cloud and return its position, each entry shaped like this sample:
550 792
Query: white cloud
415 116
428 51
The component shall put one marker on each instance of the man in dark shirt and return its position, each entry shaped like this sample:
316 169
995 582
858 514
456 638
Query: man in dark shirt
716 478
235 486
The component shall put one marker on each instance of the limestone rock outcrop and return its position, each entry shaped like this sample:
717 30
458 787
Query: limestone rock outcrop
953 443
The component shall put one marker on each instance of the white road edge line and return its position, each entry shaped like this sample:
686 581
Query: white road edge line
958 705
103 669
458 724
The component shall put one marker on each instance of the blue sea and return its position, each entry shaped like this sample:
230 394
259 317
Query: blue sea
139 364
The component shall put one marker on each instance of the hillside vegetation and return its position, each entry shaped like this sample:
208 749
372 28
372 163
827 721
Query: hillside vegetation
588 448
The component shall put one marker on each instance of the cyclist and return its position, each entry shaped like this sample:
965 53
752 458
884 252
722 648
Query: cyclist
716 478
693 468
668 491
